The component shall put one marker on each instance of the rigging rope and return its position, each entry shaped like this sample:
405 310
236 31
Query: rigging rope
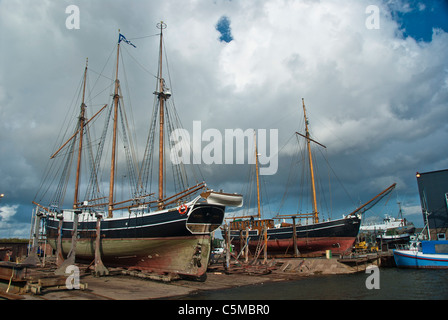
139 177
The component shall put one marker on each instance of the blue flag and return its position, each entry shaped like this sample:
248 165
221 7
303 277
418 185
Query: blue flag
122 37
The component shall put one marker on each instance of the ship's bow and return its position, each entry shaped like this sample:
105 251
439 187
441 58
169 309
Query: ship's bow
205 218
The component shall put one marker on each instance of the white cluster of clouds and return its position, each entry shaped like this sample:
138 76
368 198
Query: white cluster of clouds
377 99
9 227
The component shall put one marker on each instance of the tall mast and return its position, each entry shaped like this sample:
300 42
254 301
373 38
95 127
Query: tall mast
310 158
114 138
162 98
257 173
81 135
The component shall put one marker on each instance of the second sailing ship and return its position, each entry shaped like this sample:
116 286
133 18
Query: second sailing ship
312 239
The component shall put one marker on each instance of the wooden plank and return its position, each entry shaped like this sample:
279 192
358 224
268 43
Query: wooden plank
52 282
10 296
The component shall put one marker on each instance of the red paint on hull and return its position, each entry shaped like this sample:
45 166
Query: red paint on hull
314 246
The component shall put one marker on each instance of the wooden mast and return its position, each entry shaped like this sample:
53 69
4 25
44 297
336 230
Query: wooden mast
162 98
76 133
310 158
257 173
81 135
114 138
258 184
264 222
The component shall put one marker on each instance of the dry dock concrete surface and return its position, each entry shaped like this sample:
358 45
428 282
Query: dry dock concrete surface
119 286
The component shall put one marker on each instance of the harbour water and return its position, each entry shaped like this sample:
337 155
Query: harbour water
394 284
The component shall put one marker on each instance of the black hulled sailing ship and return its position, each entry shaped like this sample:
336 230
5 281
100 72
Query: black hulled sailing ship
149 231
312 239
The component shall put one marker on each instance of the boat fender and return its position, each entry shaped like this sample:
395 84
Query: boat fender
183 209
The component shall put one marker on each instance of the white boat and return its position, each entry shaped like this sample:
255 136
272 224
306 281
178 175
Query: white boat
388 223
391 230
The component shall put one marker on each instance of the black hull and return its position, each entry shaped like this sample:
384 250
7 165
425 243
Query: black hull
336 235
163 242
391 241
169 224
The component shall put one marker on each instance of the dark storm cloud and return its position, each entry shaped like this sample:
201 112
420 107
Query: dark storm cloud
375 98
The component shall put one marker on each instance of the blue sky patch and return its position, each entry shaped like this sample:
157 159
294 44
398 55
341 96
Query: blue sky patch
223 26
419 18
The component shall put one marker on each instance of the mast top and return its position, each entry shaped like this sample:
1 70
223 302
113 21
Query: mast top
310 158
161 25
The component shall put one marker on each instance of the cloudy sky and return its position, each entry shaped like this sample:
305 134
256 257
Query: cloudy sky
373 73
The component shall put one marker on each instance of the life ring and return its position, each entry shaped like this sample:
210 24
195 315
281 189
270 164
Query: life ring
183 209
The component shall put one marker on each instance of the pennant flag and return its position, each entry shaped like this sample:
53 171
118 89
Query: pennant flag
122 37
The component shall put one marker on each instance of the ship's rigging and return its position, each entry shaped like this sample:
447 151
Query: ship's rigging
129 183
305 188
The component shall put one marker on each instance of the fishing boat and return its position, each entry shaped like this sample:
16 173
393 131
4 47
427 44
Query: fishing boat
312 239
424 254
148 231
429 254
